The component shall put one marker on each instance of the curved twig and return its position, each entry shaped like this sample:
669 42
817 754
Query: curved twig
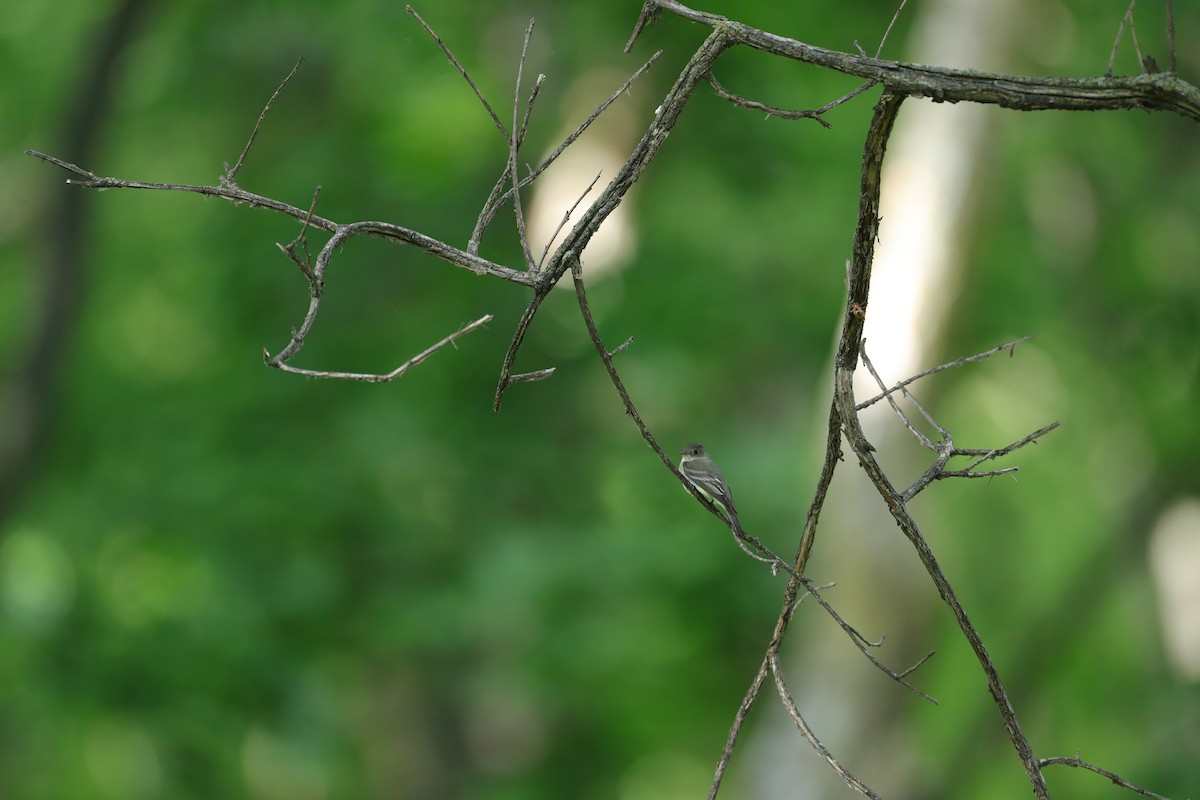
789 703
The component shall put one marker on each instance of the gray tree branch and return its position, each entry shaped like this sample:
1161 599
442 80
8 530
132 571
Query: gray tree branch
1151 91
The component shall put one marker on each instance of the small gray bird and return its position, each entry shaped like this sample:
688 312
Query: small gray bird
705 475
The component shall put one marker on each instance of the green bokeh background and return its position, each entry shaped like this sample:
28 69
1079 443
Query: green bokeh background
221 581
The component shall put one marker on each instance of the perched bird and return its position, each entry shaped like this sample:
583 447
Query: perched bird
705 475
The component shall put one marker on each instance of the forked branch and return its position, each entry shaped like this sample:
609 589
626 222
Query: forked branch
1150 91
944 448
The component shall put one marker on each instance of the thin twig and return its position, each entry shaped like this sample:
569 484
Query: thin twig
988 455
790 592
771 663
920 437
289 250
1112 776
785 113
630 409
623 345
946 449
514 145
1171 55
533 377
498 195
888 32
239 196
230 176
938 470
586 311
577 239
1137 48
649 14
384 377
958 362
565 218
862 643
1112 56
461 70
587 123
790 704
735 729
749 544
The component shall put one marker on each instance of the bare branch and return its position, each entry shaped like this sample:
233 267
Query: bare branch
790 704
1151 92
384 377
566 218
514 144
316 275
239 196
735 730
498 195
988 455
461 70
620 347
1112 56
891 24
649 14
1172 60
749 544
1112 776
784 113
306 262
230 176
576 241
790 593
846 359
863 644
946 449
533 377
1161 92
925 441
958 362
771 662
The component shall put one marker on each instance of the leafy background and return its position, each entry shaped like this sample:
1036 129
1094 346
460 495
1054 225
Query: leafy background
217 580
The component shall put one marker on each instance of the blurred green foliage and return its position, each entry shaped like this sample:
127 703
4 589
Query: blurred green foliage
220 581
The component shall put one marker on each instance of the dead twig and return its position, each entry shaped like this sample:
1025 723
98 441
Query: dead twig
1127 17
367 377
944 448
1011 347
461 70
230 176
1112 776
789 704
784 113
